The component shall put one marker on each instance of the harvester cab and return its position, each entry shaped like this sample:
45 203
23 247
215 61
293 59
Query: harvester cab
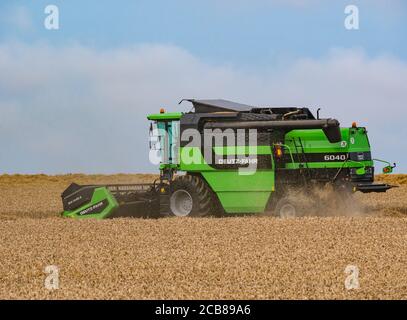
164 140
229 158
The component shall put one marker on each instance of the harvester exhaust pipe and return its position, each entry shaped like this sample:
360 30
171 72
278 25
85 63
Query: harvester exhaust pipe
331 127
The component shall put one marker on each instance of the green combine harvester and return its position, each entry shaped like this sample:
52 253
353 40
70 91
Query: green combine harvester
228 158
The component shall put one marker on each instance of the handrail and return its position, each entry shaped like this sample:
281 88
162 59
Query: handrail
289 150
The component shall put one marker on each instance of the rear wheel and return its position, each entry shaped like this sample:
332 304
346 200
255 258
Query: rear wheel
191 196
289 207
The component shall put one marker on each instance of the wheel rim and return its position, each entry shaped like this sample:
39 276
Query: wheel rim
181 203
288 211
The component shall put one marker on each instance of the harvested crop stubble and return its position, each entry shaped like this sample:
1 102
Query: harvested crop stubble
207 258
250 257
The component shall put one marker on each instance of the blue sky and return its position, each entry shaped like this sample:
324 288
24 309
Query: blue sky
114 61
252 33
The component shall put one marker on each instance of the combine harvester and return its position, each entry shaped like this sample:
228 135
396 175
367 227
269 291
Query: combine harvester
231 158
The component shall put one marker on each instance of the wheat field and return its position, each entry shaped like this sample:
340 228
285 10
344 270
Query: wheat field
252 257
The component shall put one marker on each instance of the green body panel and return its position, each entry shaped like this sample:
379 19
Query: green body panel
242 150
99 195
199 163
238 191
165 116
315 141
241 193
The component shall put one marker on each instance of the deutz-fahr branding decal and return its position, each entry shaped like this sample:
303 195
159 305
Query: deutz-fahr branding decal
94 209
238 161
260 161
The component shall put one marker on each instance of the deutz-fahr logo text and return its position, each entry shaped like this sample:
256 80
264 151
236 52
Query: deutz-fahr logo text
94 208
242 161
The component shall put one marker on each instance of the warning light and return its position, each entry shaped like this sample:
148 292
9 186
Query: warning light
162 110
278 151
354 125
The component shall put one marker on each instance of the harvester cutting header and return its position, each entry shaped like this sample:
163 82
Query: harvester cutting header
231 158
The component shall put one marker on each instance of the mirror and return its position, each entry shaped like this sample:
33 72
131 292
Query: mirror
387 169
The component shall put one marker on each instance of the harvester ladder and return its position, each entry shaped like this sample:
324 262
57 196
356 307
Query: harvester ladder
302 159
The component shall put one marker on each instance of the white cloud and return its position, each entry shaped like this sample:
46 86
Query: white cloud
77 109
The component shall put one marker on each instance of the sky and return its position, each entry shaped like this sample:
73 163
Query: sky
76 99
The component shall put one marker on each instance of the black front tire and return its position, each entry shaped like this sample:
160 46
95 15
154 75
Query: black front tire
191 197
